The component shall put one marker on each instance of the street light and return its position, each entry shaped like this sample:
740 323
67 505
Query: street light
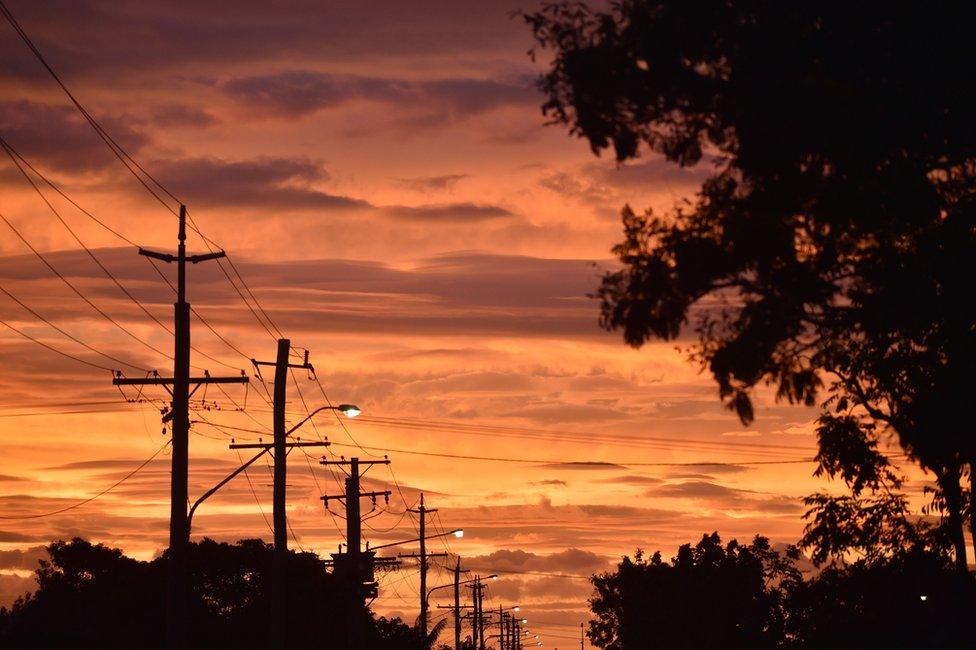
349 410
466 582
459 532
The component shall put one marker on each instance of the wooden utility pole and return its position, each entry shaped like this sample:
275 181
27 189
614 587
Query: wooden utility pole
355 568
457 605
279 582
501 627
423 511
177 625
477 616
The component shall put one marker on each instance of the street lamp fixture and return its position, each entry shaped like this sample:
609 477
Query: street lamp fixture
456 533
349 410
466 582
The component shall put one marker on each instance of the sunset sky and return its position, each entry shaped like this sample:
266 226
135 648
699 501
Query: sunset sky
382 177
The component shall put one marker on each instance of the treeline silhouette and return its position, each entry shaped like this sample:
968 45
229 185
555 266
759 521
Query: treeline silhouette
93 596
749 596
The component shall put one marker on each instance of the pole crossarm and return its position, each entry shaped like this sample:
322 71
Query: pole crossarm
160 381
343 461
341 497
270 445
192 259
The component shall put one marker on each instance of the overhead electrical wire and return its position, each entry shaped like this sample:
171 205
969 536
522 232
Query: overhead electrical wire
91 498
371 449
54 349
81 295
21 162
114 146
128 161
70 335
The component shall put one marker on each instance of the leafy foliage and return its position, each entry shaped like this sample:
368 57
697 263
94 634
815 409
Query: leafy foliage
735 596
708 596
836 235
92 596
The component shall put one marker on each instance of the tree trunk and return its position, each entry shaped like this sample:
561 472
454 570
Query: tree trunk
951 490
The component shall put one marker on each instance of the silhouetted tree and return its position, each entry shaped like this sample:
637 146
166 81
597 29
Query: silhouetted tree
836 232
91 596
915 600
874 521
733 596
708 596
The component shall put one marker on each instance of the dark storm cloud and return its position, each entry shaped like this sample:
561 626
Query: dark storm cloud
24 559
90 38
181 115
60 137
296 93
14 586
431 183
453 212
655 173
476 293
633 480
19 538
282 183
582 465
572 560
721 496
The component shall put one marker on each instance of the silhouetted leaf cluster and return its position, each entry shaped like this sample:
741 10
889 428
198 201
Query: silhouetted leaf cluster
92 596
834 242
749 597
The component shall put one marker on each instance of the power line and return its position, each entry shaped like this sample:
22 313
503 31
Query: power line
371 450
549 461
77 292
92 498
126 159
20 162
54 349
69 335
585 436
110 142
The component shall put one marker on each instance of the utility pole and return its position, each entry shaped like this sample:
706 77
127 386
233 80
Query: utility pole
279 582
457 605
423 511
355 567
477 617
501 627
177 626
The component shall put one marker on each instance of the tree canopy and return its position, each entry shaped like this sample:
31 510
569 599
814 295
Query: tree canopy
735 596
832 245
92 596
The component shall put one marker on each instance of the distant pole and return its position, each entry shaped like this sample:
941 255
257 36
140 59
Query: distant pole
457 605
423 511
581 636
501 627
355 566
481 614
279 581
354 541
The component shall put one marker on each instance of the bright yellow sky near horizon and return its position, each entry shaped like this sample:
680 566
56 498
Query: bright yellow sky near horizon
382 177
